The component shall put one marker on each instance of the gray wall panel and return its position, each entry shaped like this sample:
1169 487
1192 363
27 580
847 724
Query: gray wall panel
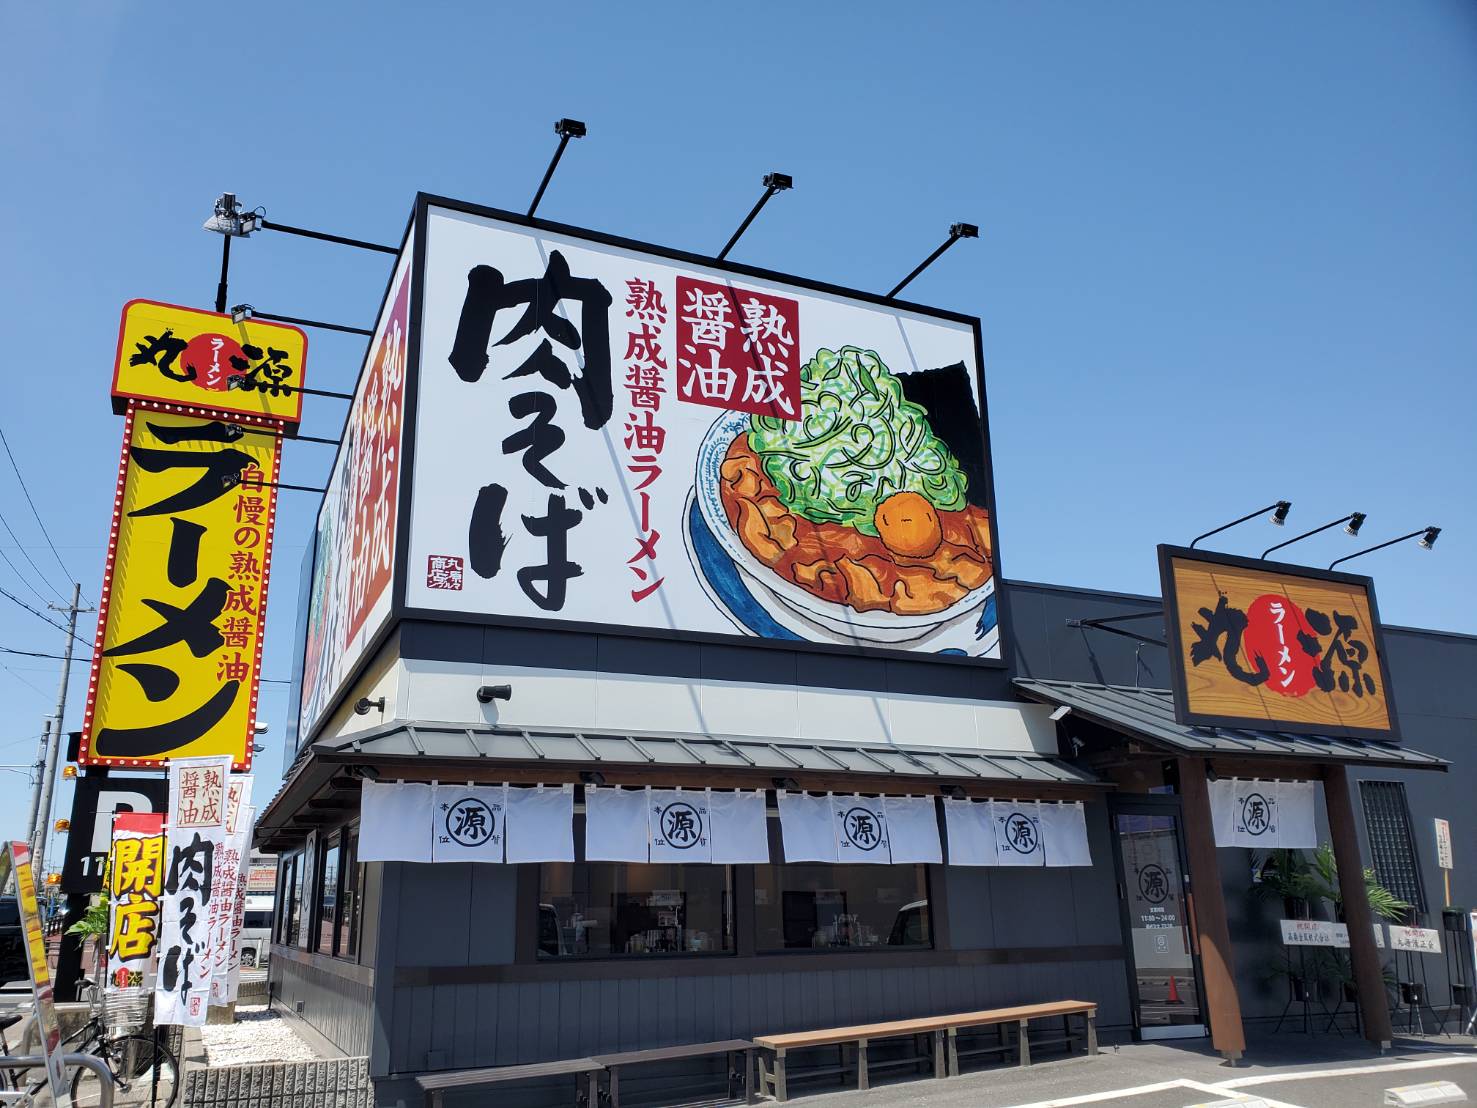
338 1008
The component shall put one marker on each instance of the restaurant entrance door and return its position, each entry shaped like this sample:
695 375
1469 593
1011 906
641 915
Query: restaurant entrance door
1154 897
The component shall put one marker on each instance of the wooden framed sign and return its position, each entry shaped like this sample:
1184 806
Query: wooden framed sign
1274 647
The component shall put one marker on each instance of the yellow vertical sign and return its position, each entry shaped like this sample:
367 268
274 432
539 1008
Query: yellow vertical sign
177 659
19 856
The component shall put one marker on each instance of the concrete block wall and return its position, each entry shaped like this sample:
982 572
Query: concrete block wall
333 1083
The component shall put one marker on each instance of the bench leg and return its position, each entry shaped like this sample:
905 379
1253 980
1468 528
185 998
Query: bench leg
615 1087
750 1094
861 1066
1091 1032
1023 1042
781 1093
954 1051
595 1087
940 1067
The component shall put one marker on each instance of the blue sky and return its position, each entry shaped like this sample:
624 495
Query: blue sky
1228 253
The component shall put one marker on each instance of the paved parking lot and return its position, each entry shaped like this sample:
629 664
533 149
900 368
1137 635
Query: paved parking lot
1289 1071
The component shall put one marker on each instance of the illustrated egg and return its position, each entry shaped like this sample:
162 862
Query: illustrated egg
908 525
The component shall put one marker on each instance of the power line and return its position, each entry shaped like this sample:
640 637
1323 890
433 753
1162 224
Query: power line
22 680
6 443
39 654
40 616
27 556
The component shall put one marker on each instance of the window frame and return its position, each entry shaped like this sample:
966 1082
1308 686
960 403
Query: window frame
1373 793
880 949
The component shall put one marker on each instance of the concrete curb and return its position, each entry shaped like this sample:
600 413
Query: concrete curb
331 1083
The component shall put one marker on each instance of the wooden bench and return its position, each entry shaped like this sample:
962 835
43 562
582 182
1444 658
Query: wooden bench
587 1082
730 1048
941 1029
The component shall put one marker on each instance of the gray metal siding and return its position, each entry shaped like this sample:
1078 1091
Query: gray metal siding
514 1023
337 1007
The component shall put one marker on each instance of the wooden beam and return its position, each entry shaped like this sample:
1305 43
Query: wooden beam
1369 981
1213 934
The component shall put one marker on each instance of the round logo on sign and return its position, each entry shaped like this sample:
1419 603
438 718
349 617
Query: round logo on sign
1020 833
859 825
1256 814
210 361
470 822
1154 884
682 825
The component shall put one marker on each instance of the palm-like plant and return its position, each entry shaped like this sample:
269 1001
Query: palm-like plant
1291 875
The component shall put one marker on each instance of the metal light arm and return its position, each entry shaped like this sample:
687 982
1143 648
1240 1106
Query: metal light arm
773 183
1307 534
1249 515
1381 546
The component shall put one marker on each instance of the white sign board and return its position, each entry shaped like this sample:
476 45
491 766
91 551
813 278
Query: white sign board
1443 844
607 435
1312 932
1418 940
354 553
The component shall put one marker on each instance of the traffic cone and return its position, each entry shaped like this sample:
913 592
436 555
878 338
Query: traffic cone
1174 992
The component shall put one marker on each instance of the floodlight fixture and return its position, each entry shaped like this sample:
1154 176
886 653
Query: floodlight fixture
241 313
566 129
957 231
953 792
1061 713
773 183
786 784
1426 536
1354 521
229 219
1279 510
592 777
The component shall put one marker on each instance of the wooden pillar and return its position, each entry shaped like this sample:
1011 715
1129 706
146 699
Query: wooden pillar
1369 980
1222 1004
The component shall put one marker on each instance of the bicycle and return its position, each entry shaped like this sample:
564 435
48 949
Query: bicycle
144 1070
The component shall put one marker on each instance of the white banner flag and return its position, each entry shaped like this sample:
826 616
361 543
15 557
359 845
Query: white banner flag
1017 826
913 829
971 833
238 917
196 834
395 822
1263 815
1064 831
468 823
861 829
616 825
227 878
1298 828
740 827
540 824
806 828
681 826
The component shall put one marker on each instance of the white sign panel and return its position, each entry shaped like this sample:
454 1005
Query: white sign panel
1313 932
1443 844
609 436
1419 940
353 562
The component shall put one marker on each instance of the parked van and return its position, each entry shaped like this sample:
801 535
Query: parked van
256 931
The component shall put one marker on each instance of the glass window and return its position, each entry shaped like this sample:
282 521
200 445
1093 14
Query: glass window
819 906
291 899
327 894
346 942
606 909
257 921
1392 840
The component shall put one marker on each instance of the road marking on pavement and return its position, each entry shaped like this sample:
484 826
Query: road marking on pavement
1218 1091
1351 1071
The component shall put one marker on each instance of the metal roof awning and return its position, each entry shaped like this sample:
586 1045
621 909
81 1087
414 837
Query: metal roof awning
1148 715
603 750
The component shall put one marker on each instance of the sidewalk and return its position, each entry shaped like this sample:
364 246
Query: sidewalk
1171 1075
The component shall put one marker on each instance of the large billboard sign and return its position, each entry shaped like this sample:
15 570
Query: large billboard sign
177 659
354 544
612 436
179 355
1275 647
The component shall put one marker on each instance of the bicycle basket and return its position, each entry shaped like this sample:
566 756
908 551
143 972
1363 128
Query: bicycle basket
126 1008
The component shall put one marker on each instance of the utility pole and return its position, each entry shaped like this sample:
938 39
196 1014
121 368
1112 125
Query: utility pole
37 772
53 748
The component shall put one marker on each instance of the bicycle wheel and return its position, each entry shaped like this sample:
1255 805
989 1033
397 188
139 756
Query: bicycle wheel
146 1075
